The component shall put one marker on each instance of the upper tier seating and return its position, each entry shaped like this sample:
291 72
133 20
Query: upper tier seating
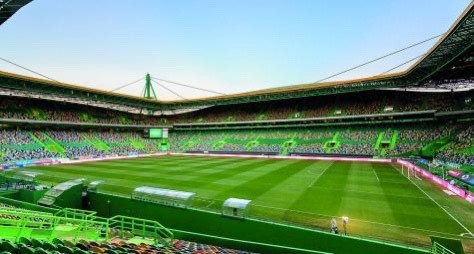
335 105
461 151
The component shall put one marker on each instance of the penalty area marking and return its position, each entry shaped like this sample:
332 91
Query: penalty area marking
468 232
317 177
375 173
416 176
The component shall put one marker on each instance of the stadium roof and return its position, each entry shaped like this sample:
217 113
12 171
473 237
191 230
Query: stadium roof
9 7
457 43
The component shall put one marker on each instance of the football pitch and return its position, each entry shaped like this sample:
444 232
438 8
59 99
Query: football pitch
379 201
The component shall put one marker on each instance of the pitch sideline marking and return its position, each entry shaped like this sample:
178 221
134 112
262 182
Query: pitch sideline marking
375 174
355 219
317 177
366 221
467 235
442 208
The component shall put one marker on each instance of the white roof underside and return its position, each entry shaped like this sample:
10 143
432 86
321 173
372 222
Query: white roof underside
237 203
184 195
29 173
93 103
68 184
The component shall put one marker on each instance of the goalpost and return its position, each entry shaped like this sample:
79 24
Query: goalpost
410 172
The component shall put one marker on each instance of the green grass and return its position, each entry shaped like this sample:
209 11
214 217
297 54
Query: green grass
378 199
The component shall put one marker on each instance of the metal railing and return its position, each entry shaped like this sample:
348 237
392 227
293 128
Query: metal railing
78 225
437 248
144 228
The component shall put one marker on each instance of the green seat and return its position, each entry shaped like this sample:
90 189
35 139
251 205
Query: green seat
49 246
26 250
25 240
79 251
36 243
41 251
84 242
65 249
57 241
68 243
82 246
8 246
19 245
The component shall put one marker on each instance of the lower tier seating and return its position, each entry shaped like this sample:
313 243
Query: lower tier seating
57 246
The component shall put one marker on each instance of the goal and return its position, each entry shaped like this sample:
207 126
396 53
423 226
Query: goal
410 172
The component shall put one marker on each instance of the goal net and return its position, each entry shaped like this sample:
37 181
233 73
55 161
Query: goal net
410 172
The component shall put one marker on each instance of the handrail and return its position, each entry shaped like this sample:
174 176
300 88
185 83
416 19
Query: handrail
142 226
16 209
30 219
437 248
76 213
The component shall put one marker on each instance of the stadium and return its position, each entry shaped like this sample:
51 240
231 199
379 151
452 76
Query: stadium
382 164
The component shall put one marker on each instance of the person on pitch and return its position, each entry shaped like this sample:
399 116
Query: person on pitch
333 226
345 220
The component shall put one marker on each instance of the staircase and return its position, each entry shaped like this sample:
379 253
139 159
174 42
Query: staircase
36 113
379 140
219 144
385 137
251 144
86 117
432 148
97 143
335 139
136 144
53 195
393 140
47 142
287 145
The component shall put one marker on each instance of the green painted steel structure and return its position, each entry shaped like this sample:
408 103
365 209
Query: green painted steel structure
149 92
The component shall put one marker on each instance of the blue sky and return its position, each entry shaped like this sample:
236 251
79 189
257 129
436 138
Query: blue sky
224 45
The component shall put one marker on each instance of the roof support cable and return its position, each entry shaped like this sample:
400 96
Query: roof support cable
188 86
27 69
128 84
402 64
169 90
380 58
